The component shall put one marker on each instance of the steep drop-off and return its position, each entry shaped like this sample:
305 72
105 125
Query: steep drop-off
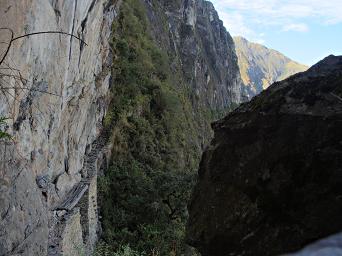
260 67
271 180
54 92
174 71
166 72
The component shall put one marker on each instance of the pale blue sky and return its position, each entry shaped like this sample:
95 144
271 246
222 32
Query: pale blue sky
304 30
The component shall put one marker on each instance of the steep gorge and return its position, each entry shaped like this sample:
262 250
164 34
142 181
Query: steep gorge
175 71
108 122
136 96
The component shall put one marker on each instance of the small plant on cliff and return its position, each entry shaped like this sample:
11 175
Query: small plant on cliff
102 249
127 251
3 134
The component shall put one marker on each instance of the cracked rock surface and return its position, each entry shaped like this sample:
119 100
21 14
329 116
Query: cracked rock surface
54 89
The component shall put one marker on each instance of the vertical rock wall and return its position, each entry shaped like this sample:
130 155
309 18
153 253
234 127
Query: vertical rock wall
204 49
54 92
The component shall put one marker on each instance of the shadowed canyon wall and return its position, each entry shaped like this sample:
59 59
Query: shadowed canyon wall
270 182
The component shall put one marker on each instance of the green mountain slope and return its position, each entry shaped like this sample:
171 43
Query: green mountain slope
260 66
167 87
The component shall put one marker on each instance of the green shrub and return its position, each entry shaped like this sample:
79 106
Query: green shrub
4 135
102 249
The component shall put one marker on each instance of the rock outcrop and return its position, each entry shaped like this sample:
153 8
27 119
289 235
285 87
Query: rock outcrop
54 90
271 180
260 67
331 246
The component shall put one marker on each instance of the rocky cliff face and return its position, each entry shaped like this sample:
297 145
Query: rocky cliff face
54 92
203 48
270 182
203 55
260 67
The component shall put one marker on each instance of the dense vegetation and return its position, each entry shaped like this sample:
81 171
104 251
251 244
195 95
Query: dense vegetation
145 191
158 132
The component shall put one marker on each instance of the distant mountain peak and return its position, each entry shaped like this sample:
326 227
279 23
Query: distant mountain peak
261 66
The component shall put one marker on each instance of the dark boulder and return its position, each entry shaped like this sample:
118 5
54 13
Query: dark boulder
271 180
